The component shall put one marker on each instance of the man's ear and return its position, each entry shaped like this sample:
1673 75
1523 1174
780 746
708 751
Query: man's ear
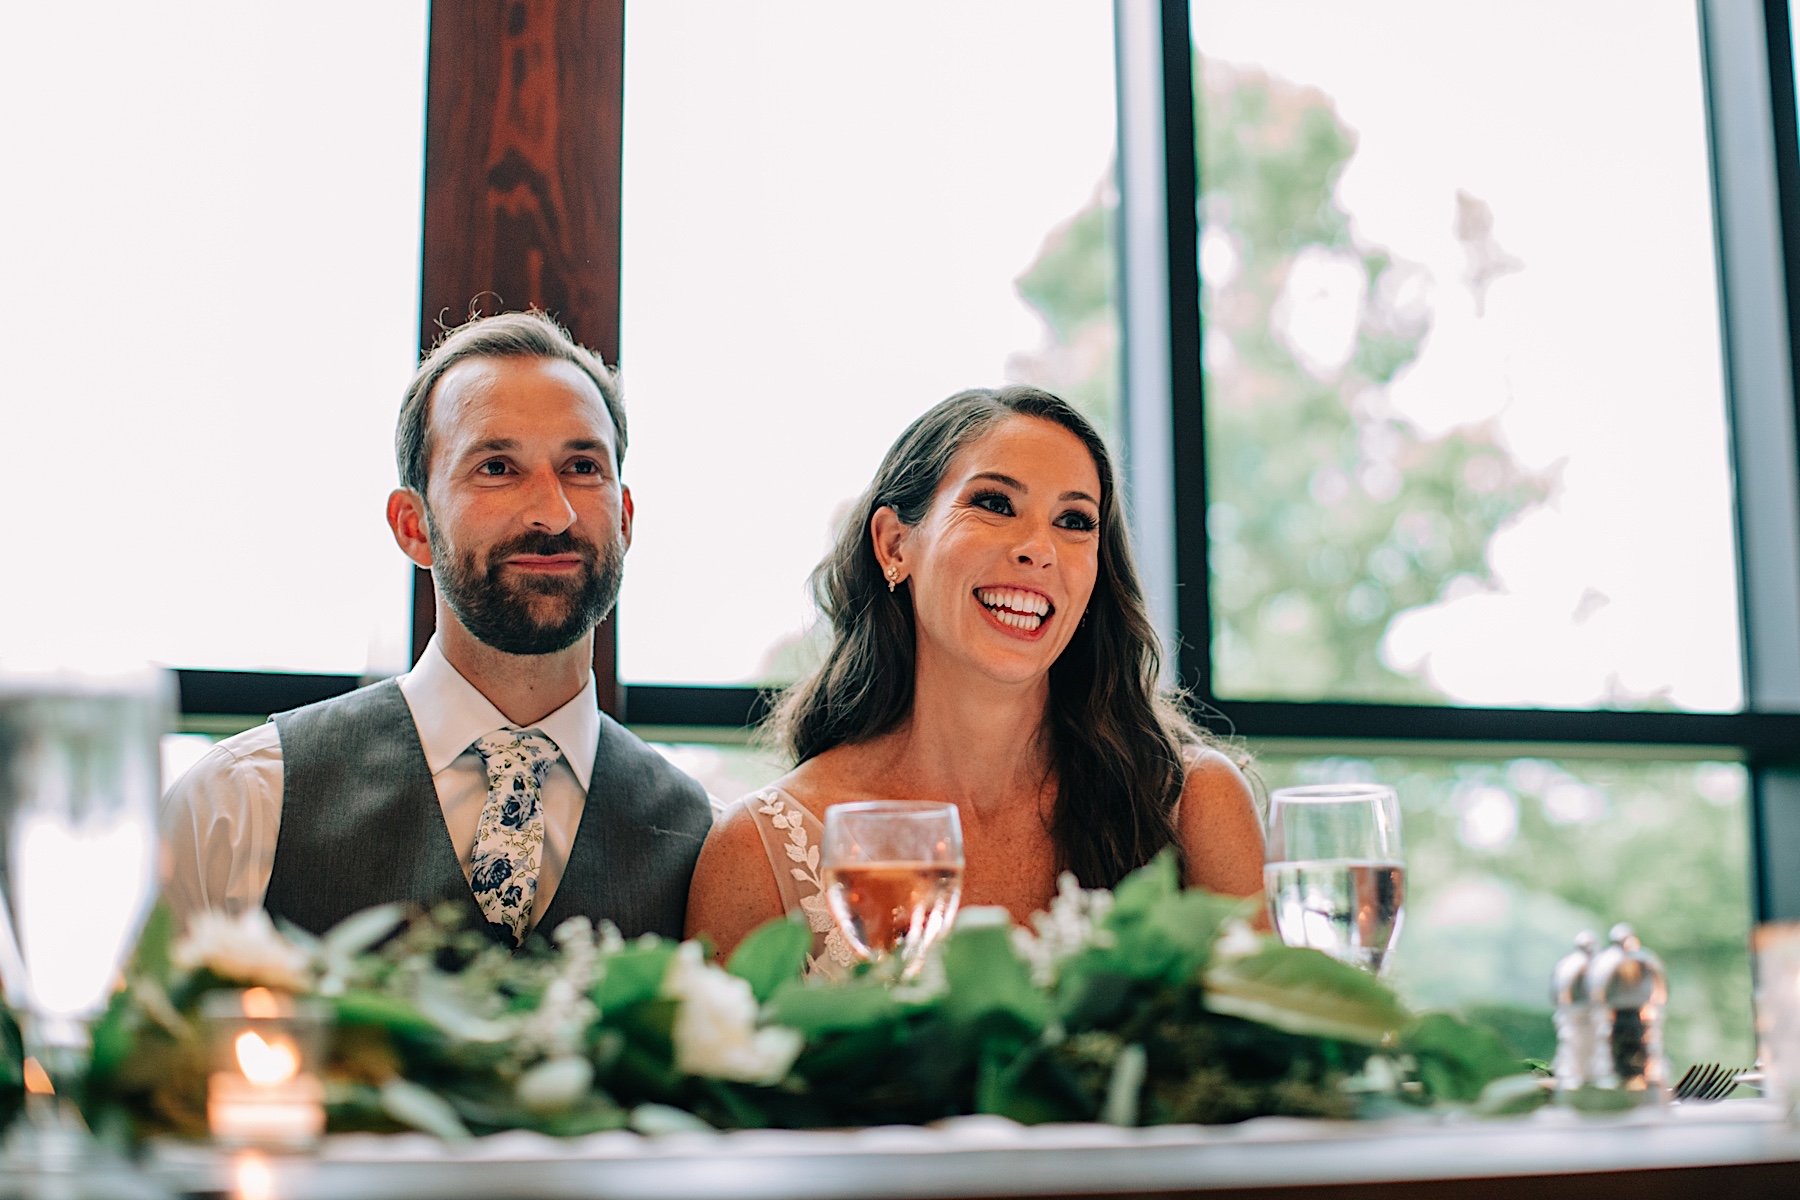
887 534
626 513
406 517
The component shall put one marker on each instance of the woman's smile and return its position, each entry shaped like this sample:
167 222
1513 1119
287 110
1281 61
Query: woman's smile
1021 612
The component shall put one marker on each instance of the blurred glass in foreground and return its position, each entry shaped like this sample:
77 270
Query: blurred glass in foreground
79 780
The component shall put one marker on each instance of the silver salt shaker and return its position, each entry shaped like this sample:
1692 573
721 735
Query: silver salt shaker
1574 1015
1628 989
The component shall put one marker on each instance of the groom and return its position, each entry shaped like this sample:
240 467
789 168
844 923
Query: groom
486 775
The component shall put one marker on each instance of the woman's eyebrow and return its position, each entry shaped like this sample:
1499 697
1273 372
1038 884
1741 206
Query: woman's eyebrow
1015 485
1003 480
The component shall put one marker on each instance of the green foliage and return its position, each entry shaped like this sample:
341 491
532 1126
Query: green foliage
634 975
1151 1019
1306 993
985 981
855 1005
770 956
1454 1059
1151 1005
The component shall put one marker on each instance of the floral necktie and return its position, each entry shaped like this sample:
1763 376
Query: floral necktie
509 835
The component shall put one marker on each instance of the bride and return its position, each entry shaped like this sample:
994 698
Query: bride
990 649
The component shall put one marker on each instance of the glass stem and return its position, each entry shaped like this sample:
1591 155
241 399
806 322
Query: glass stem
60 1046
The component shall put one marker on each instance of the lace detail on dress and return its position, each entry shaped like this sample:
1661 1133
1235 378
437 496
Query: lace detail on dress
791 837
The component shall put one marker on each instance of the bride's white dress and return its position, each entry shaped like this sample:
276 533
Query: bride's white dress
791 837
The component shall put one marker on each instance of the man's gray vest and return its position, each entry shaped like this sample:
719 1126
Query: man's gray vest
361 825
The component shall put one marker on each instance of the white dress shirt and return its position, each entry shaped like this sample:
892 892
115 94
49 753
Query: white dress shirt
220 819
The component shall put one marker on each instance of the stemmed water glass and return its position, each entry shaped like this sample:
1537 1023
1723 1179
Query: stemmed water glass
893 874
1333 873
79 779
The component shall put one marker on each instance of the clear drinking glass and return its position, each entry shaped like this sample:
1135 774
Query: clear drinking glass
1333 873
893 877
79 779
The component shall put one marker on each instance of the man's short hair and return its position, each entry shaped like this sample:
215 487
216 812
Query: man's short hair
531 334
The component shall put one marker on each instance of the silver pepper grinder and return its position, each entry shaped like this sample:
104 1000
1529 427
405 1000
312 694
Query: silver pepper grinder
1574 1015
1628 989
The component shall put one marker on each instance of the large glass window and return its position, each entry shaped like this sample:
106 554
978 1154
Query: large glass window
1464 391
835 216
211 264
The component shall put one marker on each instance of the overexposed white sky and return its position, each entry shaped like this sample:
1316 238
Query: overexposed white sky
210 244
825 208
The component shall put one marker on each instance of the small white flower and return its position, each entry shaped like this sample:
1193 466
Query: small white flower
715 1031
1237 941
554 1084
573 933
1070 925
558 1026
245 949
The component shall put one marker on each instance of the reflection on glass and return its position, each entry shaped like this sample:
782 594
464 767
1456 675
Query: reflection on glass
835 216
1508 859
1464 387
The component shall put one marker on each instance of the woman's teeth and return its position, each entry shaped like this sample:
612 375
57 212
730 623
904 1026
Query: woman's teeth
1015 607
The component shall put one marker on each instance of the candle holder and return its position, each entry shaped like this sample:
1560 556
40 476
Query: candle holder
1777 946
265 1089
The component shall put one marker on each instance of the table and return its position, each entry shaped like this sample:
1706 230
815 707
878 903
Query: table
1736 1148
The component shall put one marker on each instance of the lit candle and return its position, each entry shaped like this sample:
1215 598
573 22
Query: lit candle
264 1090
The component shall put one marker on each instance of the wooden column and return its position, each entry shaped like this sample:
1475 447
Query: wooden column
522 146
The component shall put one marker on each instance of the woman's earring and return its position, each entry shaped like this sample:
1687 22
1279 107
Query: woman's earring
893 576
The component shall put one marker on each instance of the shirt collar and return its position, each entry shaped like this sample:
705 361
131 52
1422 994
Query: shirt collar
451 713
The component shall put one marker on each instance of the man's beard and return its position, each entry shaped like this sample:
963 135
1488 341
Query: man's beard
501 614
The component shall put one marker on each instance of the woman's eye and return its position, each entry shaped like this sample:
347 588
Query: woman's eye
1078 521
994 502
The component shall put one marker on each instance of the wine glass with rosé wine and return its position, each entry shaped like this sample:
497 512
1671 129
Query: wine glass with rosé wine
893 872
1333 872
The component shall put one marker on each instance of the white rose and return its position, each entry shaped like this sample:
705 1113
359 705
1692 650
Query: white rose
715 1030
245 949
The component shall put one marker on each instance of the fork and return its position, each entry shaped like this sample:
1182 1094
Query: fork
1704 1082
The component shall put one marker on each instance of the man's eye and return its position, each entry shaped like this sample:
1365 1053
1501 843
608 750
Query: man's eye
994 502
585 466
492 467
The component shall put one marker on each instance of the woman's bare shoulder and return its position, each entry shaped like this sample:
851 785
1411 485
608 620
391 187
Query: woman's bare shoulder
1217 821
1221 760
732 889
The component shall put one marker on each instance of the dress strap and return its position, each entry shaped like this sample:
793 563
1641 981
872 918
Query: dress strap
791 837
